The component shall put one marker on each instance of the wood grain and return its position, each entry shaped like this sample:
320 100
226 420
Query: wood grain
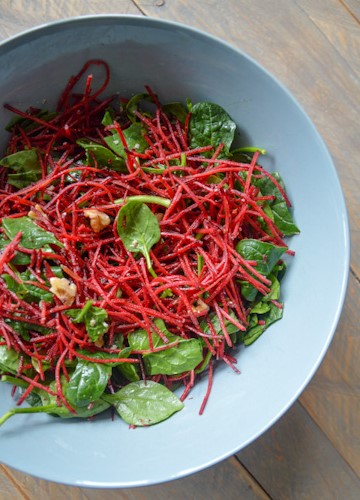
18 15
295 460
229 476
10 489
335 388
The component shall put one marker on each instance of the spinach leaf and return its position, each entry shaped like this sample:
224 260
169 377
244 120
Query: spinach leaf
253 333
25 167
144 403
134 137
26 291
95 319
9 360
33 236
185 356
24 328
175 109
129 371
27 124
280 211
178 359
87 383
283 219
139 339
125 353
103 155
20 258
266 256
43 402
214 319
133 104
109 117
210 124
138 229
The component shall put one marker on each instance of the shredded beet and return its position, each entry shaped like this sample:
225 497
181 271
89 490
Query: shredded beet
196 269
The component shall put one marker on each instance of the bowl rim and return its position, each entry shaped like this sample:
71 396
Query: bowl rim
21 38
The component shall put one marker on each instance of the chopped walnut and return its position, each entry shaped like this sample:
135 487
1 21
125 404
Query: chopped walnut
34 214
200 308
63 290
98 220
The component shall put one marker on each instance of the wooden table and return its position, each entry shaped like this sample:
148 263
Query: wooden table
313 47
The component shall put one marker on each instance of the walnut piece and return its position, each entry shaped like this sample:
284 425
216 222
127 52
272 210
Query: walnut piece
98 220
63 290
34 214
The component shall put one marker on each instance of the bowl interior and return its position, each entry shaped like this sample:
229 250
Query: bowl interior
179 62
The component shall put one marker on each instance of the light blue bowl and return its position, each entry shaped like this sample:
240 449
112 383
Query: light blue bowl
180 62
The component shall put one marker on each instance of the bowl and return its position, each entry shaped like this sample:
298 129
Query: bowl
180 62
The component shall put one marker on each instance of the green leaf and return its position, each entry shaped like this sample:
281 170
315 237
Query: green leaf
24 328
280 211
109 117
138 229
95 319
27 124
210 124
87 383
268 188
266 256
260 308
214 319
25 166
175 109
129 371
33 236
178 359
9 360
144 403
134 138
104 156
185 356
283 219
133 105
139 339
253 333
125 353
26 291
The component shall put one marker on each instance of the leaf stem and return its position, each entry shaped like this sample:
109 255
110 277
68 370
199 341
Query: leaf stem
33 409
251 149
158 200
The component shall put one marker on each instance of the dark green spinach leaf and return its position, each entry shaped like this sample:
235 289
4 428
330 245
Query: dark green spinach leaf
87 383
33 236
210 124
95 319
24 167
144 403
138 229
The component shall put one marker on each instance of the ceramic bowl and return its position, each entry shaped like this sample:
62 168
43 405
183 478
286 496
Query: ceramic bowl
180 62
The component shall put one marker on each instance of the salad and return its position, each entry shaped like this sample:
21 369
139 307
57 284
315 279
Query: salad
138 248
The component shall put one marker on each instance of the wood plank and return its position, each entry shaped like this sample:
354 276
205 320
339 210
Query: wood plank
227 476
315 71
353 6
294 459
333 396
17 16
340 28
9 489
